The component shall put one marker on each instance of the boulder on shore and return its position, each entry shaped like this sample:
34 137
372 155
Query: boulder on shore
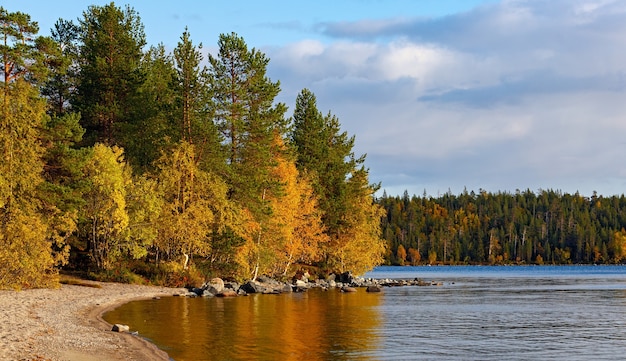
120 328
215 286
227 293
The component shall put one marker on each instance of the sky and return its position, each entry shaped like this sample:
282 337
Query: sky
442 95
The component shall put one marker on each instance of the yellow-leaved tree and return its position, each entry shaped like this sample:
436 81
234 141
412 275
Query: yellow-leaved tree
32 231
617 246
105 204
296 225
196 211
358 246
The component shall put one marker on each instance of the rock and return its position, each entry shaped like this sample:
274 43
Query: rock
215 286
265 279
301 284
232 285
348 289
346 277
253 287
266 285
373 289
227 293
197 291
120 328
301 275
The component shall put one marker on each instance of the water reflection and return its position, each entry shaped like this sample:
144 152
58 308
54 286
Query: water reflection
572 313
315 325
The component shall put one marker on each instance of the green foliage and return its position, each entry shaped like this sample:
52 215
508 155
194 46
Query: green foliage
248 119
61 63
110 75
340 181
22 52
150 126
153 166
525 227
195 210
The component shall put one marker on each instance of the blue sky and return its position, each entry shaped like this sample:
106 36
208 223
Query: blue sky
442 95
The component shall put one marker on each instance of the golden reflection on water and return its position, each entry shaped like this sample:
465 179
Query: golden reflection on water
315 325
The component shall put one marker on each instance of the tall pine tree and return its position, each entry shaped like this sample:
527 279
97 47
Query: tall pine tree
110 53
248 118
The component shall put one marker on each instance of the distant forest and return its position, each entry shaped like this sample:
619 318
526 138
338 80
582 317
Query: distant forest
547 227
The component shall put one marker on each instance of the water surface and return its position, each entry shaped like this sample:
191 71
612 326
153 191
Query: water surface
480 313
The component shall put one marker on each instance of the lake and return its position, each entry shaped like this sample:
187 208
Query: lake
479 313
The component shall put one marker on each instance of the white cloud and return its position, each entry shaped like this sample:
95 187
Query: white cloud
520 94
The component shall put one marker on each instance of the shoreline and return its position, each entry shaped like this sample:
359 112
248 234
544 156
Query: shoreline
66 324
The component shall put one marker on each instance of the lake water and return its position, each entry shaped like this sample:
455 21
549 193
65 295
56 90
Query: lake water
479 313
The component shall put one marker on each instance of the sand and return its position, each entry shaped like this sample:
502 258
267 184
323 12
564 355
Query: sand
66 325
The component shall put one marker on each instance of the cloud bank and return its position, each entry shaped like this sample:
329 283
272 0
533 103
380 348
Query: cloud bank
522 94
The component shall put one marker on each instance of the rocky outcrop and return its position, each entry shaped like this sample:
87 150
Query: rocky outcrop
345 282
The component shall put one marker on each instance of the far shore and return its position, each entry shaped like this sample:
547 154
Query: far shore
66 324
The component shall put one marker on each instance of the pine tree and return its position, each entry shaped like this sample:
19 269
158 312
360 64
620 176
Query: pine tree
243 99
110 54
153 127
61 85
194 108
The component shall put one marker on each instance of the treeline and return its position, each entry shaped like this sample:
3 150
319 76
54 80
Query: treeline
547 227
135 162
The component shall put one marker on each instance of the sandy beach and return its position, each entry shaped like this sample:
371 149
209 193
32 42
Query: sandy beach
65 324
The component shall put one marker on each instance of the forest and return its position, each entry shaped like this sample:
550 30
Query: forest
547 227
126 162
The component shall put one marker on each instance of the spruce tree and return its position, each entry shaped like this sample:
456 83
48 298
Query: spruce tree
341 184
